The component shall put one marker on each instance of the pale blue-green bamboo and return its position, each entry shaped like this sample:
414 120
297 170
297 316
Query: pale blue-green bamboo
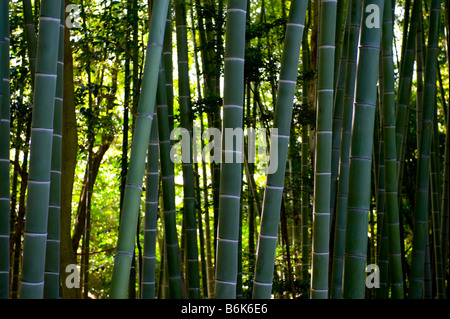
361 147
230 182
35 231
141 136
322 168
51 277
347 113
267 239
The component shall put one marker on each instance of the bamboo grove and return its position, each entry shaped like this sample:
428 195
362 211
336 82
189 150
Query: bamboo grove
239 149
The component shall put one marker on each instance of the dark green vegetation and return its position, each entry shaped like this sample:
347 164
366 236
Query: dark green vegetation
346 99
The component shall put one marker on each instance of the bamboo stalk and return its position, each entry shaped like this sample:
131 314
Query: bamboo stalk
168 190
265 257
230 182
342 187
51 277
35 235
4 150
421 194
141 136
188 170
361 147
322 169
148 286
391 185
338 111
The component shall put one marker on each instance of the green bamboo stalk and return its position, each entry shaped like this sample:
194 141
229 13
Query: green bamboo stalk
361 147
390 159
338 111
322 169
230 182
435 210
141 136
427 290
209 262
305 154
341 196
305 207
445 198
421 194
201 234
35 233
4 150
341 9
265 256
168 62
383 262
205 244
404 87
21 214
188 170
419 76
148 287
30 36
51 276
168 189
239 263
404 91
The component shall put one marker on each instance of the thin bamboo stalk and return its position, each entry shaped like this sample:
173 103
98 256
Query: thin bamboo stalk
188 170
390 159
141 136
422 187
435 209
341 66
148 287
30 36
305 157
209 261
168 190
342 187
404 89
445 198
4 150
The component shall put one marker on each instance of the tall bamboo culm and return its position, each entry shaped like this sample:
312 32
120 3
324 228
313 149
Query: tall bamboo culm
338 109
189 209
4 150
267 239
390 155
404 88
347 114
361 147
230 182
51 278
35 231
322 169
168 189
420 226
148 285
141 137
